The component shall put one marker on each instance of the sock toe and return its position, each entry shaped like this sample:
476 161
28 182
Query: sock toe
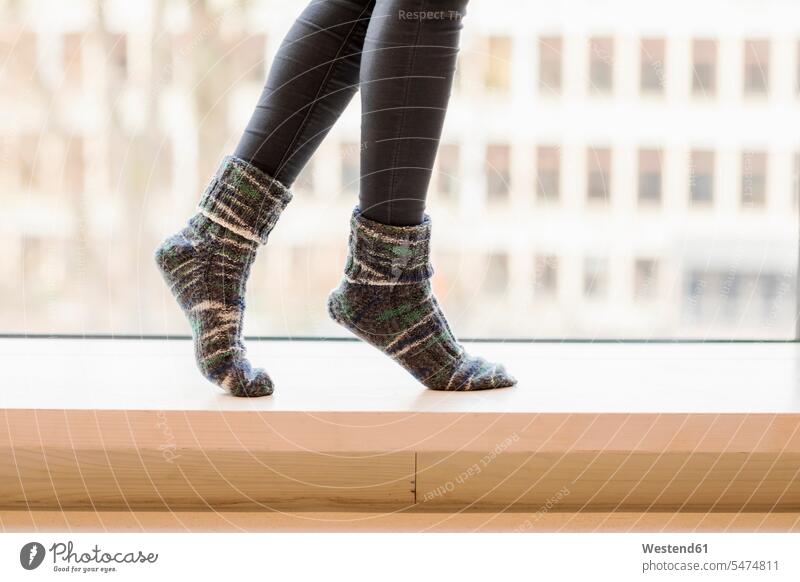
248 383
502 378
260 385
485 375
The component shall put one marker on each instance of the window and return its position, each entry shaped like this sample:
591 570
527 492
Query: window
29 162
498 72
645 279
550 59
595 277
447 171
601 65
595 196
118 54
694 298
730 291
71 58
773 286
599 174
498 171
350 163
497 274
704 67
732 297
548 173
74 165
701 177
754 179
545 275
18 54
652 66
650 176
756 67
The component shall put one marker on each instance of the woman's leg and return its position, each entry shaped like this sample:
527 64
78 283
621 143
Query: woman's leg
207 263
406 76
386 297
313 77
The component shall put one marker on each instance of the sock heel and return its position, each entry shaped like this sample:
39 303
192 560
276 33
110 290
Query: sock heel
335 310
171 254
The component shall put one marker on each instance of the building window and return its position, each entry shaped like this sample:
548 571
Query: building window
71 58
696 294
768 287
548 173
545 275
18 55
754 179
652 65
601 65
497 274
498 72
30 162
351 157
701 177
650 176
595 277
447 172
550 62
756 67
498 171
645 279
74 166
704 67
118 54
599 174
730 292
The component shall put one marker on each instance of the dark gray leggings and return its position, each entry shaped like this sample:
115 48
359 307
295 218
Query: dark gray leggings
402 55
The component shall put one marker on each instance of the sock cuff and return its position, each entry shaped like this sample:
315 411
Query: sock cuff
243 199
384 254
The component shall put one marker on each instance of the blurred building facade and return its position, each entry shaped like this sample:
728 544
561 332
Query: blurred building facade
607 170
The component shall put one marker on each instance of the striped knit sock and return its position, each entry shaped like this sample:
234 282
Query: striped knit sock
206 266
385 298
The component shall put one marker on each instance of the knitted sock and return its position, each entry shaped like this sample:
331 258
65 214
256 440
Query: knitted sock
206 266
385 298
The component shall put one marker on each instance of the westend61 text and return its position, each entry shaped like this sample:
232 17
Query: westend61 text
671 549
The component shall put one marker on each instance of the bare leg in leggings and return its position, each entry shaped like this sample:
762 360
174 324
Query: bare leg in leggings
402 54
